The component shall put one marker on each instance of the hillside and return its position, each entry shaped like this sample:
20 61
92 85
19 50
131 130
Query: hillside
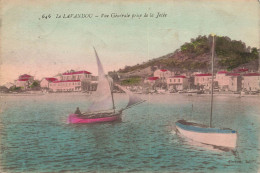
195 55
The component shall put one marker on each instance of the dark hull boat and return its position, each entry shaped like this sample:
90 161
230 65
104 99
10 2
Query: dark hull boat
96 118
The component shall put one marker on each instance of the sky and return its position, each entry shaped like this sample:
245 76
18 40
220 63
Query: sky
43 47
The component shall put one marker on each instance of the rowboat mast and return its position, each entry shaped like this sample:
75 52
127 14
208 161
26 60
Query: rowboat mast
207 134
212 80
114 108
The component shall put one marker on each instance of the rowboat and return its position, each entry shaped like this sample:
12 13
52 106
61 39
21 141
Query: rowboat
220 137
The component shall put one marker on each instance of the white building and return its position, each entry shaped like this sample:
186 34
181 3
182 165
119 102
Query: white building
178 83
77 75
24 81
251 81
71 81
66 85
203 80
151 80
222 79
45 82
163 74
234 81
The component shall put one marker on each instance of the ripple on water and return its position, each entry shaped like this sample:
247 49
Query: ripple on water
35 137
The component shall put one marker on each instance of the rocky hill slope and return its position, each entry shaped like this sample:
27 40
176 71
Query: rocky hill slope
195 55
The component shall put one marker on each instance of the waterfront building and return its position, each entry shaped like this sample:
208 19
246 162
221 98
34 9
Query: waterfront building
234 81
229 81
76 75
151 80
222 80
24 81
71 81
65 85
203 80
93 83
251 81
150 84
45 82
178 83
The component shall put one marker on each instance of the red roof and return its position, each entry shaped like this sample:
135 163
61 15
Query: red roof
222 72
51 79
252 74
241 70
24 76
233 74
163 70
66 81
77 72
179 76
206 74
23 79
153 78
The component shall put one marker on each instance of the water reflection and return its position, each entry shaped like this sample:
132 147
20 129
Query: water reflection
36 138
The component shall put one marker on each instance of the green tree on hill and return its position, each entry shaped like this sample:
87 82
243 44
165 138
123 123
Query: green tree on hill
196 55
131 81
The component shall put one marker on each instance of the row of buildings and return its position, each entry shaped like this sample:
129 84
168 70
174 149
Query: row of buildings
240 79
69 81
237 80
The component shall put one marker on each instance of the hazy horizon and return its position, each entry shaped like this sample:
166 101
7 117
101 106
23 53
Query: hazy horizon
45 47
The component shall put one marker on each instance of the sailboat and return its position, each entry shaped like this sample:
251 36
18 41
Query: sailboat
219 137
103 109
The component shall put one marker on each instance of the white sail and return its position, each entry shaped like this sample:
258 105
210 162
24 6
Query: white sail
102 98
133 100
111 82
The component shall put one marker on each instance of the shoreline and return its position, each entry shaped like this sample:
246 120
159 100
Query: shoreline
87 94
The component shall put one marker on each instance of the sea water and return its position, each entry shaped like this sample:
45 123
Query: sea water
35 135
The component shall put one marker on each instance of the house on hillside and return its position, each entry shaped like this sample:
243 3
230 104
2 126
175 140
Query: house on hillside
150 83
151 80
163 74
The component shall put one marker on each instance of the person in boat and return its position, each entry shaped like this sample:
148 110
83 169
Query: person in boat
78 111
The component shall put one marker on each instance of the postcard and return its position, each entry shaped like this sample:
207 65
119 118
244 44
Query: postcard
129 86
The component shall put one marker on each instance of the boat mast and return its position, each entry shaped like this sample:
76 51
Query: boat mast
112 97
212 80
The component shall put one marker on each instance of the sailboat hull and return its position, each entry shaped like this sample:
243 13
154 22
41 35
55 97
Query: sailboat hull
76 119
211 136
